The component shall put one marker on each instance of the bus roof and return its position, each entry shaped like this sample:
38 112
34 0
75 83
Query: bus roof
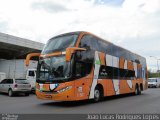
85 32
114 44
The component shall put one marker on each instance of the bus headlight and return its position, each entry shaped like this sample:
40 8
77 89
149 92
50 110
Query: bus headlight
64 89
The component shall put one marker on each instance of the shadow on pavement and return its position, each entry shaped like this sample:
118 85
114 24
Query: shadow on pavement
85 102
15 95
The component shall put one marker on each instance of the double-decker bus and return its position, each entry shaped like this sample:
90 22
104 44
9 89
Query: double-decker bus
79 65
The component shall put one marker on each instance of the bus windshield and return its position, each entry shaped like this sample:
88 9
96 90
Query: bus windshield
53 69
60 43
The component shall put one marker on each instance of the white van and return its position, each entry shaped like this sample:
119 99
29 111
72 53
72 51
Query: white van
154 82
31 77
2 76
16 69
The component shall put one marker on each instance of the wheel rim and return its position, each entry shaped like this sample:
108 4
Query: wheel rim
96 95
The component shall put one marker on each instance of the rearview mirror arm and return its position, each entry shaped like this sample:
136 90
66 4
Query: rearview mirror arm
29 56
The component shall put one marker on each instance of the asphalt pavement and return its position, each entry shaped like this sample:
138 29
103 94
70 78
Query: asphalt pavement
147 102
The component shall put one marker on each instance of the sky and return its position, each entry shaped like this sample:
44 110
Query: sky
132 24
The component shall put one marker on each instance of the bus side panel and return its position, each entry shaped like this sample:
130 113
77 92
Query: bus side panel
102 58
129 86
122 86
83 87
110 87
126 86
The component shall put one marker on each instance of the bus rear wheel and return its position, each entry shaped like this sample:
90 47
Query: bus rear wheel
137 90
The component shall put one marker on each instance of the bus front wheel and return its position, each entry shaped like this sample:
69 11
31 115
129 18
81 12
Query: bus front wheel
97 94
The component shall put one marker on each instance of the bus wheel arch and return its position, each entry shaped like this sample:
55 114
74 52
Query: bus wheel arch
98 93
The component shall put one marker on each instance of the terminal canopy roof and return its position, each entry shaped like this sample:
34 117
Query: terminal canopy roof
12 47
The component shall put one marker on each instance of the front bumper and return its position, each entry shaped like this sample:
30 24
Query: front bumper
152 85
63 96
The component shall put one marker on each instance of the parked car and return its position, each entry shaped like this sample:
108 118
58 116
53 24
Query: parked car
153 82
16 69
12 86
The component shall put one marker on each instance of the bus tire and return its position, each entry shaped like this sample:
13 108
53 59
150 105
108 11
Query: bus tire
137 90
140 91
98 94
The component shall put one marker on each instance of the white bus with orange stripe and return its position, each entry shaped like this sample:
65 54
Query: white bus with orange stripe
79 65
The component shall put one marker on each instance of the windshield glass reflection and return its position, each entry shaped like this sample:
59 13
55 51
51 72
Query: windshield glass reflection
53 68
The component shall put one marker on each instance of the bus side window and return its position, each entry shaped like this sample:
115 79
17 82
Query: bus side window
143 73
85 42
89 42
139 73
82 69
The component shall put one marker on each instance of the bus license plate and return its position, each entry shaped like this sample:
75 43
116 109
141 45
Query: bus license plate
48 96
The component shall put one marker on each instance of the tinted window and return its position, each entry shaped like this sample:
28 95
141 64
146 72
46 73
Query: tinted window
86 42
89 42
60 43
85 56
53 69
9 81
107 72
143 73
31 73
139 71
82 69
4 81
104 46
96 44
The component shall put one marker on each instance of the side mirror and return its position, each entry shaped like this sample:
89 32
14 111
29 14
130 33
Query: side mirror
29 56
71 50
